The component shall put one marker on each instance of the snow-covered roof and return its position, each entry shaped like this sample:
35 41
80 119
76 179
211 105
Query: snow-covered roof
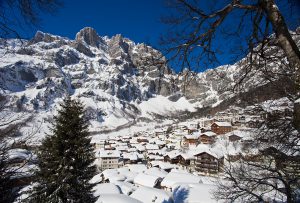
160 142
180 132
193 123
192 136
122 148
159 130
151 195
106 188
96 179
142 138
178 177
158 151
132 149
126 187
138 168
209 133
152 147
155 157
187 156
108 154
140 147
122 170
156 172
131 156
108 172
163 165
192 193
215 152
126 137
114 175
94 141
173 154
146 180
133 141
116 198
120 174
240 133
117 177
224 124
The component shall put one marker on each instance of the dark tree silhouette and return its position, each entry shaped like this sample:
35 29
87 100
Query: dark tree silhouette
66 159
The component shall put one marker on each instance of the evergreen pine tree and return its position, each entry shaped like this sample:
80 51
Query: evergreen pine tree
65 159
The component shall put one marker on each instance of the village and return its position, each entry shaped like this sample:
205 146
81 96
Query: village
154 166
174 162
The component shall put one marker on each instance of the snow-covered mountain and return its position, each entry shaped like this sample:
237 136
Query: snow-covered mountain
119 81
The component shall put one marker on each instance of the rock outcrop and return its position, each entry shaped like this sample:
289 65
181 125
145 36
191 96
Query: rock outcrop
89 36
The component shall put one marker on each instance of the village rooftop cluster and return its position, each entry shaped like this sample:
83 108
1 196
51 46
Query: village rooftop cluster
182 160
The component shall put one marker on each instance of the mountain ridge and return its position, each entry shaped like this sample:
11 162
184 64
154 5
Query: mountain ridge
118 80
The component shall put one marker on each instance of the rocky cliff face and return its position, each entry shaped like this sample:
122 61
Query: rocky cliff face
89 36
113 76
118 65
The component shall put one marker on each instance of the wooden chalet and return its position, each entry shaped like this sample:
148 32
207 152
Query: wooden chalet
207 137
234 138
208 163
221 127
191 139
185 159
170 159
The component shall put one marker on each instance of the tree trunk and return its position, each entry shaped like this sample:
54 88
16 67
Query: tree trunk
286 42
288 192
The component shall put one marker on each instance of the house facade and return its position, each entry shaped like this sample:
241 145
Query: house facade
234 138
107 159
207 137
221 127
207 163
190 140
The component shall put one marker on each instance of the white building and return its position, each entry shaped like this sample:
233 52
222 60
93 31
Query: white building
106 159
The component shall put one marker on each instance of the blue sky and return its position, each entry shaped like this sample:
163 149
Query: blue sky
138 20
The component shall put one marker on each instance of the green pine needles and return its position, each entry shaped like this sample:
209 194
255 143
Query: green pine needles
66 159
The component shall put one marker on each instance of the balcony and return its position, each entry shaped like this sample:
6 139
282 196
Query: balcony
207 166
206 162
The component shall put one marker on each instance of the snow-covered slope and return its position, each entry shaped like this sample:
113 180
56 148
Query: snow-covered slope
117 79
